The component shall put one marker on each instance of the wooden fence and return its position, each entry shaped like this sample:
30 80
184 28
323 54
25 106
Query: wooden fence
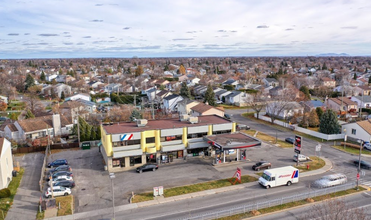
32 149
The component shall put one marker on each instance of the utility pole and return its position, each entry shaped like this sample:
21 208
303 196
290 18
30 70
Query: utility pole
78 129
135 100
359 162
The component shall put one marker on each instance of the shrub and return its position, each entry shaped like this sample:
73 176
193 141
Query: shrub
4 193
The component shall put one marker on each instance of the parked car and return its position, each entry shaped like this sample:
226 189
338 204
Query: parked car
3 118
290 140
57 191
60 178
61 168
367 146
243 127
65 183
58 163
364 164
261 165
147 167
330 180
301 158
228 116
59 173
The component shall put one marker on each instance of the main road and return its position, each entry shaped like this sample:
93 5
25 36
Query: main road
252 193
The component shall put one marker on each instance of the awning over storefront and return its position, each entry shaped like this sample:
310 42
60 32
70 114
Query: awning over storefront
172 148
126 153
232 141
196 145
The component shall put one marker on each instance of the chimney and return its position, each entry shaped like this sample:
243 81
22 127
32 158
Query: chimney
57 125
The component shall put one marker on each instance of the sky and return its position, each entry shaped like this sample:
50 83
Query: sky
183 28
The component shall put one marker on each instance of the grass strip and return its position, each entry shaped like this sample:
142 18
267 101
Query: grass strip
66 205
6 203
352 150
315 164
270 139
181 190
291 204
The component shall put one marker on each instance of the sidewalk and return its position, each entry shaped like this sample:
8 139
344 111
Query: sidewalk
101 212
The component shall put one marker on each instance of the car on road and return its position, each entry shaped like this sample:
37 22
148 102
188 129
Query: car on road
290 140
364 164
261 165
60 178
330 180
61 168
57 163
228 116
147 167
57 191
301 158
65 183
60 173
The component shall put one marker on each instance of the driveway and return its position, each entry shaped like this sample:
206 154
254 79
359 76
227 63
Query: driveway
27 199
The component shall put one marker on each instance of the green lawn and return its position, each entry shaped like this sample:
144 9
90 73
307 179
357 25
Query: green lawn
6 203
192 188
269 139
315 164
291 205
352 150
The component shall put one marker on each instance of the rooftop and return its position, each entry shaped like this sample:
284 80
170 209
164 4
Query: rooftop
232 141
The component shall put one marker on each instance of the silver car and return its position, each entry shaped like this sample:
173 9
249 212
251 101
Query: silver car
330 180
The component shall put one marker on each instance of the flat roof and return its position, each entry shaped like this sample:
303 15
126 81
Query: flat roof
124 127
232 141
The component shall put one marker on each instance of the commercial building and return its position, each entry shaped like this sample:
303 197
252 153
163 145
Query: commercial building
130 144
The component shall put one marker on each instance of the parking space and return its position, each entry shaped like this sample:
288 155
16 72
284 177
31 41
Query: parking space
93 185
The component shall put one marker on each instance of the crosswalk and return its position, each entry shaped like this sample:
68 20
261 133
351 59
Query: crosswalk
366 183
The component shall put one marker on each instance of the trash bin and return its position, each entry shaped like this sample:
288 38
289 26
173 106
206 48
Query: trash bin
14 173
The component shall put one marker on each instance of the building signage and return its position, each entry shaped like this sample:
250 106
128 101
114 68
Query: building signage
238 174
126 137
297 144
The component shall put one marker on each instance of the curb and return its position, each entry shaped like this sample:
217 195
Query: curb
323 170
300 206
363 155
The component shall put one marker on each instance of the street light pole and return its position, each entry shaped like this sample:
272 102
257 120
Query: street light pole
359 162
345 137
112 176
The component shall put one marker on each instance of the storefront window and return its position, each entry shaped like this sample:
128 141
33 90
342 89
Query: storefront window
118 162
135 160
222 132
133 142
197 135
173 138
150 140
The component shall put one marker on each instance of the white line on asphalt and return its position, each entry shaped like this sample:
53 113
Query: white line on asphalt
23 157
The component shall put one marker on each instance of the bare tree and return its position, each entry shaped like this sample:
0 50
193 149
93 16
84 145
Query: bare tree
335 210
33 102
258 103
276 107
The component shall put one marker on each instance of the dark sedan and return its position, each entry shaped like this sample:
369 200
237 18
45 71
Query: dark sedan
65 183
261 165
61 168
58 163
147 167
364 164
290 140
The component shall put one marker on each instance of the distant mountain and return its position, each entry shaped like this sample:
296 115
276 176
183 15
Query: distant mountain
333 55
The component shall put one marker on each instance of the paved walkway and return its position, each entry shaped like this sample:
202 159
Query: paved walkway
108 211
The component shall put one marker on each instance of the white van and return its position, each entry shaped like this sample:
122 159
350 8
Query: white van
279 176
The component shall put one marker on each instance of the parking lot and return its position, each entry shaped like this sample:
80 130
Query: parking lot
93 185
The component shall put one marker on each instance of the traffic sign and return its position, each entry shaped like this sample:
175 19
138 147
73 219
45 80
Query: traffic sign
357 176
318 147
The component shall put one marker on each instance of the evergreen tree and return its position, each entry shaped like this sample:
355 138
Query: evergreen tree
135 115
329 123
210 96
42 76
29 114
305 90
62 95
319 112
29 81
313 120
13 116
324 67
355 76
369 80
184 91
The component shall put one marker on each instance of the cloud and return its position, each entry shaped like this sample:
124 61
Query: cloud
179 45
43 44
68 43
96 20
289 29
349 27
262 26
86 37
126 28
26 33
222 31
80 43
233 31
68 36
13 34
180 39
191 32
48 35
98 4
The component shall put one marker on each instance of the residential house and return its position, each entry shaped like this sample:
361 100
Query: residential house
161 83
4 99
89 107
354 82
348 90
230 82
72 109
193 81
311 105
362 101
203 109
113 88
199 90
365 89
328 82
50 77
182 78
238 98
53 125
95 84
184 106
341 103
360 130
284 110
151 93
270 82
6 163
170 102
56 90
161 95
221 94
74 97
